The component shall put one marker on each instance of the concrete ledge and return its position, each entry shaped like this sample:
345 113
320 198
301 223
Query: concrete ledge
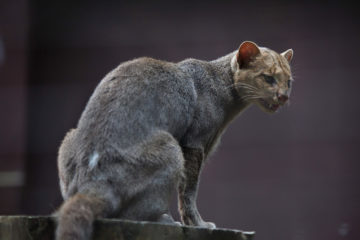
42 228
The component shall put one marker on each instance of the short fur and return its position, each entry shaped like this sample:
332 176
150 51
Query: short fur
149 127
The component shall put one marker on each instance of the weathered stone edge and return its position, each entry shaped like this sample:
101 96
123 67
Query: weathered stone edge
42 228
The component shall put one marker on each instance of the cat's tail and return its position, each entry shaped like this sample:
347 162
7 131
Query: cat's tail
76 216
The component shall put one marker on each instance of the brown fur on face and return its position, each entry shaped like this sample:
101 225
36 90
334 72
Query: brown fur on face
266 79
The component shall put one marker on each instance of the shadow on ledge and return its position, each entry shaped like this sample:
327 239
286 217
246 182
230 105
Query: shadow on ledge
42 228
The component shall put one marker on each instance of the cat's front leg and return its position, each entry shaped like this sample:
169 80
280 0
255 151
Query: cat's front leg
188 187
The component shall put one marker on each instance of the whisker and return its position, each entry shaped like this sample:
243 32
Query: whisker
243 85
251 97
250 90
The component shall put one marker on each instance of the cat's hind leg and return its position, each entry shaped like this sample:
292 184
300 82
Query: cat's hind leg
159 165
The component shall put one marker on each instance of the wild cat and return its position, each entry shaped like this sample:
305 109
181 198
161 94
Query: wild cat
148 129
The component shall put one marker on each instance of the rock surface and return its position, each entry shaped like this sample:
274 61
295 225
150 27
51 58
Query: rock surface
42 228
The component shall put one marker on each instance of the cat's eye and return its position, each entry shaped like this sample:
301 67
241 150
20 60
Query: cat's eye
269 79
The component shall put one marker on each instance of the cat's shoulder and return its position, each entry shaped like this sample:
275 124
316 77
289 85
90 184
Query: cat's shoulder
194 66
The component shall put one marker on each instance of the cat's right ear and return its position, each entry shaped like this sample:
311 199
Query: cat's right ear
246 53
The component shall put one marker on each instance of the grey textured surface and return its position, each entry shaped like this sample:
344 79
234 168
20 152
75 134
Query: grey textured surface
42 228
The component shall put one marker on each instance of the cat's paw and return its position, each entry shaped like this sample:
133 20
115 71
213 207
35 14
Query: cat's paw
167 219
210 225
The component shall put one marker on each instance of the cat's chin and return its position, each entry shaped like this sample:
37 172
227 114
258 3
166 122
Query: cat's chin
267 106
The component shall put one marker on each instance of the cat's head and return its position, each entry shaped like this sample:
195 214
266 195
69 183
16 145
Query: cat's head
262 76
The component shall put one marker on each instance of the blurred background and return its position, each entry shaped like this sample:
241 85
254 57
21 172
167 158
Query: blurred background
292 175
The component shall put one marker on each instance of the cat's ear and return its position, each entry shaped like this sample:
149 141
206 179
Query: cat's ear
288 54
247 52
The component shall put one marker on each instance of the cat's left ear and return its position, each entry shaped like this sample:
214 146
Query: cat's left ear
288 54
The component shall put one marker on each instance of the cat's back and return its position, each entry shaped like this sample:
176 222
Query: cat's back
137 97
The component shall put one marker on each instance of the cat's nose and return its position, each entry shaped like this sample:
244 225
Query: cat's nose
283 98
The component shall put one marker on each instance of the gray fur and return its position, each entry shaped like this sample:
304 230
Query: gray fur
147 128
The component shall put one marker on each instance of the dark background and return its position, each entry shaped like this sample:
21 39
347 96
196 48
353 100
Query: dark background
292 175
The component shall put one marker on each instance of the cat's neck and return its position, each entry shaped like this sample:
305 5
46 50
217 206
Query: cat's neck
225 62
224 75
214 81
215 78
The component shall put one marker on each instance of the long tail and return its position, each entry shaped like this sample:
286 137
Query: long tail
76 216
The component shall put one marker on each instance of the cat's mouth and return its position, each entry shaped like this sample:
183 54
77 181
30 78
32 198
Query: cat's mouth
269 107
